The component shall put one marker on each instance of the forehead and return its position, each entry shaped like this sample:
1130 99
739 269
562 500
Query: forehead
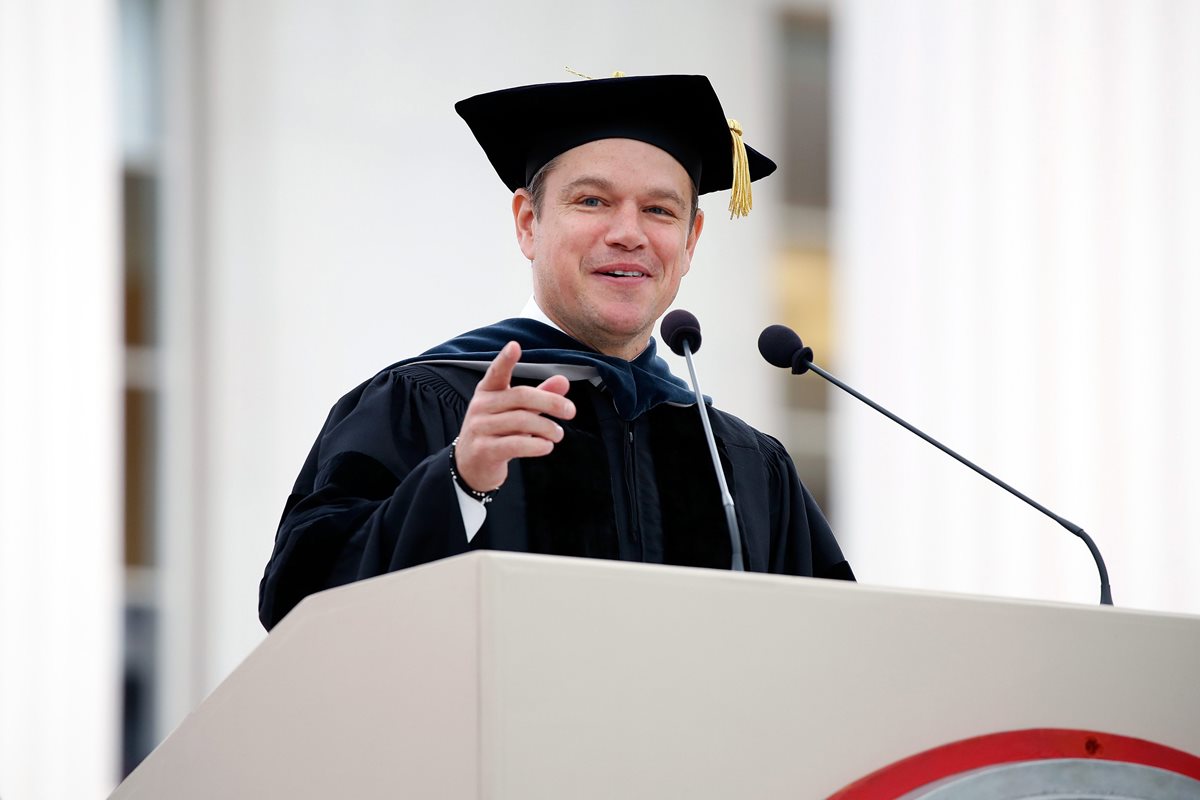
625 162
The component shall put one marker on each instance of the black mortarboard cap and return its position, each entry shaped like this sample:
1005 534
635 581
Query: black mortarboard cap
523 128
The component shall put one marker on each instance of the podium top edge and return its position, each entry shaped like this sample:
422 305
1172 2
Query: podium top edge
486 560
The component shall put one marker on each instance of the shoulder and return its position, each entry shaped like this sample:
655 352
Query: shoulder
398 416
453 384
737 432
405 382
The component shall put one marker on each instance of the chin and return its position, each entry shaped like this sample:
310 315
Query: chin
624 327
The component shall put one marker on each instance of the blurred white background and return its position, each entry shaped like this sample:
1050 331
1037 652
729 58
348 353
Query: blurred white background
217 217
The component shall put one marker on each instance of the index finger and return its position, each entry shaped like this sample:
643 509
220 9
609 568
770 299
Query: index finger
499 372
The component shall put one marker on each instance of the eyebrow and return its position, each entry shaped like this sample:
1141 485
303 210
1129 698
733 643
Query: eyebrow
605 185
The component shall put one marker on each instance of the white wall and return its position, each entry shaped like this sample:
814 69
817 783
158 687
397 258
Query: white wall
1018 193
351 221
60 392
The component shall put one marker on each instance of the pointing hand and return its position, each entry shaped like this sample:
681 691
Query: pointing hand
504 422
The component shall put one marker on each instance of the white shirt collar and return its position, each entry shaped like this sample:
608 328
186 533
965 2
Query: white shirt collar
533 311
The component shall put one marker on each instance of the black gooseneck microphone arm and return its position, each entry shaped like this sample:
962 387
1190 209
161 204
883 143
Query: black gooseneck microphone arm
801 362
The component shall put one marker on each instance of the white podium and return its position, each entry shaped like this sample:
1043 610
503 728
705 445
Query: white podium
506 676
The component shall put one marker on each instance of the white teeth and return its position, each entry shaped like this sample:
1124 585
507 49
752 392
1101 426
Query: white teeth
623 274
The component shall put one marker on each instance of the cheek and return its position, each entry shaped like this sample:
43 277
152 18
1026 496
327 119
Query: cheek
672 252
553 276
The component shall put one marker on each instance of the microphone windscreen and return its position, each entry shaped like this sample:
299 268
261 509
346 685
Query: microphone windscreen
779 345
678 327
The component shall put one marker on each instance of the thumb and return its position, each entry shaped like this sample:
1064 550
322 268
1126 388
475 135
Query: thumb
558 384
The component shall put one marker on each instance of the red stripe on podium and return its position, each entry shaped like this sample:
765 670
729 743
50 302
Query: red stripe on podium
1034 744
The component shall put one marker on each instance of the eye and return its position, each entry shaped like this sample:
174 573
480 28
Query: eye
659 210
590 202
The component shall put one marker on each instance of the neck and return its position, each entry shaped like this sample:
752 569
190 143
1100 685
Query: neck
627 349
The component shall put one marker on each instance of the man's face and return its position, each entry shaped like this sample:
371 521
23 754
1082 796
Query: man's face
611 241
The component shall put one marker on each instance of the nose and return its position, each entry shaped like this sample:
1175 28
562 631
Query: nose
625 227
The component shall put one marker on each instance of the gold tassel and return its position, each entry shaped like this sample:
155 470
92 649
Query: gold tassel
741 200
576 73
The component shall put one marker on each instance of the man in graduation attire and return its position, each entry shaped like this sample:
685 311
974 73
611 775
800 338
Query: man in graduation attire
561 431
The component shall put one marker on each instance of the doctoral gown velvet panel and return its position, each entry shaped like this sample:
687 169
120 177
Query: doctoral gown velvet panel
375 493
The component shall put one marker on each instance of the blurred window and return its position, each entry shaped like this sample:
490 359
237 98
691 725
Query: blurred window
803 271
140 137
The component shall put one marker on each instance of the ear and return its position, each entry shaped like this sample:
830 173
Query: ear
525 221
693 237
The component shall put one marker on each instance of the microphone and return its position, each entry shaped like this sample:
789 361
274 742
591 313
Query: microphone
781 347
681 331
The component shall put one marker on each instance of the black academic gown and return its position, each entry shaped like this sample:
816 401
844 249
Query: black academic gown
630 480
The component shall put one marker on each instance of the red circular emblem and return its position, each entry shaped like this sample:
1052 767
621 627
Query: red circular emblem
1037 744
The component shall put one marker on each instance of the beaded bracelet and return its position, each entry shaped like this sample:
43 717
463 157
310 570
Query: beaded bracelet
482 497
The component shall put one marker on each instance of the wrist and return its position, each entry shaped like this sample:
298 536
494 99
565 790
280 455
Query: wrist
482 497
